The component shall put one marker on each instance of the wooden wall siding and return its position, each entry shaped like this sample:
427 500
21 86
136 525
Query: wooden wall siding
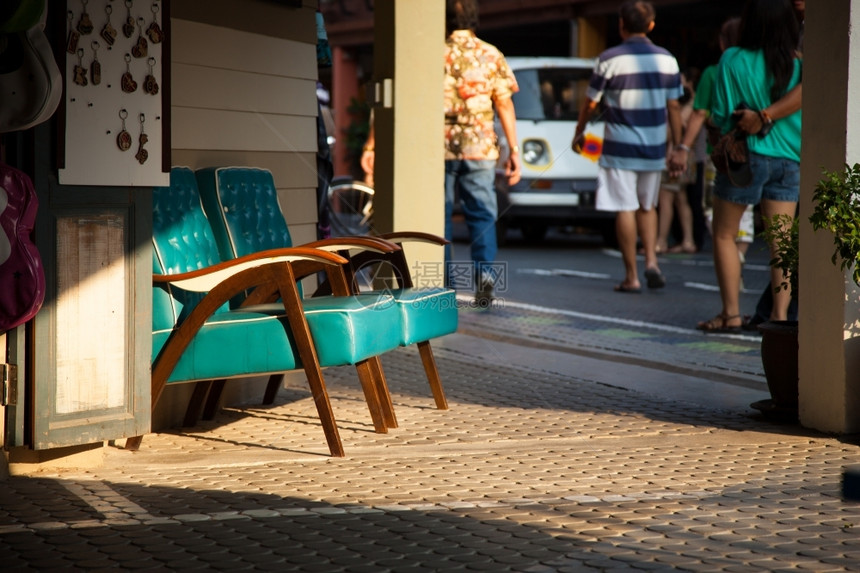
257 16
244 93
246 98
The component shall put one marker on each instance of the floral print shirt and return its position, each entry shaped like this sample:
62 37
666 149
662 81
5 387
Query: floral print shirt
476 75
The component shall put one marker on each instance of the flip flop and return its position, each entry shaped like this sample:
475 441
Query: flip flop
719 325
655 278
621 287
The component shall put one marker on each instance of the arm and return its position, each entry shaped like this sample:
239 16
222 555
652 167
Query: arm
588 108
680 153
508 119
368 155
752 121
676 127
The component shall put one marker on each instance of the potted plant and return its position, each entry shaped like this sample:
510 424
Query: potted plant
837 209
779 348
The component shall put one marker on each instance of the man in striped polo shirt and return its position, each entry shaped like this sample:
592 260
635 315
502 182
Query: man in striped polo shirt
638 84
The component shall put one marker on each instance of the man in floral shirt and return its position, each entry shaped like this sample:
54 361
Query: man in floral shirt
477 79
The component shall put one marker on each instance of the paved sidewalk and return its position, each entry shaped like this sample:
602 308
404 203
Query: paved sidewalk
565 449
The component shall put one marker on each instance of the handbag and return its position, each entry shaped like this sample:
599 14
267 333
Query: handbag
731 156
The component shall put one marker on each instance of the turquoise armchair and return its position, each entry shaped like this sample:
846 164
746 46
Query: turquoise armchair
243 207
197 336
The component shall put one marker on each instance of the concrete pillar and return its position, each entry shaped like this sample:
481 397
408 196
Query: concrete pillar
829 311
409 40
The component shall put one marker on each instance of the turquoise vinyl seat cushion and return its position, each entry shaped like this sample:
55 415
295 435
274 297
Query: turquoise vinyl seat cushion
245 214
233 344
425 313
242 342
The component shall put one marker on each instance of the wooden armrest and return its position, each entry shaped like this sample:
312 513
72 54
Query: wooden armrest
204 280
366 243
415 236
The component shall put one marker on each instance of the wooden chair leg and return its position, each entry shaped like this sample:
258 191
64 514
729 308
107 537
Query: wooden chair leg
286 280
275 383
432 371
211 407
195 404
367 377
133 444
383 393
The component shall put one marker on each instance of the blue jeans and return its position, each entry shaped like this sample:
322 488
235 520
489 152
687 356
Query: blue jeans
474 181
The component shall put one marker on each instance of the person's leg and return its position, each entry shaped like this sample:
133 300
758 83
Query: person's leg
617 191
647 192
780 197
685 218
695 199
646 222
625 229
782 297
727 217
450 184
665 215
478 200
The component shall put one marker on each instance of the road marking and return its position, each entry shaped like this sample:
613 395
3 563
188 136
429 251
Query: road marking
715 288
563 273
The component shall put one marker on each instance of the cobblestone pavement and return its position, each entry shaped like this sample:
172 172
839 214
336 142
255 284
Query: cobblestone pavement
565 462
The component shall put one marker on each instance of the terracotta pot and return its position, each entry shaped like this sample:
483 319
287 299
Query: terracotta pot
779 359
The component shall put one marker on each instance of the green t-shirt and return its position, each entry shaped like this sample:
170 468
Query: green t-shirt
705 89
741 77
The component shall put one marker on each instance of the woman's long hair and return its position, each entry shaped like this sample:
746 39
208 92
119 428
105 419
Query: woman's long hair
771 26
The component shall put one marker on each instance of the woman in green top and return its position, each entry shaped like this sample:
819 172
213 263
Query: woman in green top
760 70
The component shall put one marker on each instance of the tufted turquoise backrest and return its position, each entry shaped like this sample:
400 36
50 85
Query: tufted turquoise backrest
243 209
182 241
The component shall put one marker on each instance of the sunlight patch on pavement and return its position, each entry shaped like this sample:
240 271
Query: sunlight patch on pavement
716 346
621 333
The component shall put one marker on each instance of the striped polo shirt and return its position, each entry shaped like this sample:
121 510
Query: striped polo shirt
634 80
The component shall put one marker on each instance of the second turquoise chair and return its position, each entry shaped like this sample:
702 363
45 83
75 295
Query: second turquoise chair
243 207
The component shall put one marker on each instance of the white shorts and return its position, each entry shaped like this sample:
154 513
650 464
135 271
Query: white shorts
625 190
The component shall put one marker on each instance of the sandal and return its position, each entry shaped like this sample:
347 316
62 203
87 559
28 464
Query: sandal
720 324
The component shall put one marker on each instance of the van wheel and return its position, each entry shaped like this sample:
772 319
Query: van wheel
534 232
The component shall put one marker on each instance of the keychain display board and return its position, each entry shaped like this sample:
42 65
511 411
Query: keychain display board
115 125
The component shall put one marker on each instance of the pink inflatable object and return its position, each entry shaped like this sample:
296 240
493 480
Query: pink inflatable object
22 278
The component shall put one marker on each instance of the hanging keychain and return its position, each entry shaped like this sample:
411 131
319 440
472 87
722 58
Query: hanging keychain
142 155
123 138
128 26
80 70
108 32
150 86
154 31
74 35
95 66
127 82
140 48
85 25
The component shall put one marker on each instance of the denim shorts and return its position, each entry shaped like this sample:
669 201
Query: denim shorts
774 178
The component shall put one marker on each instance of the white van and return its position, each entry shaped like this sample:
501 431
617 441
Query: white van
558 185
